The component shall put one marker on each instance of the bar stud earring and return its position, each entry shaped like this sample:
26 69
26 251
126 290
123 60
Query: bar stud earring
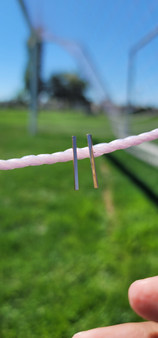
91 154
74 147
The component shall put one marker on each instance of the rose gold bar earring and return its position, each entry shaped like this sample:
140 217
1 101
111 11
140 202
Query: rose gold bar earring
91 154
74 148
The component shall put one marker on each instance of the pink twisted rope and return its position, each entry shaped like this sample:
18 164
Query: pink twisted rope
67 155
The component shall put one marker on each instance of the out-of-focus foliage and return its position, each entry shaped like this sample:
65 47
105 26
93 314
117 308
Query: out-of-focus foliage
69 87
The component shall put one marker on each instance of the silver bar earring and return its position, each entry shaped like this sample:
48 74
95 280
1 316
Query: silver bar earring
74 147
91 154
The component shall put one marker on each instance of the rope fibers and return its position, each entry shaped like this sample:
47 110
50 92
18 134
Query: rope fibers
67 155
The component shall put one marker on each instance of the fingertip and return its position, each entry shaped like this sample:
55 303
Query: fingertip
143 297
134 290
137 293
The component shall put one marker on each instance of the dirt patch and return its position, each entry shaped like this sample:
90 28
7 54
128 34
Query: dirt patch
107 193
108 200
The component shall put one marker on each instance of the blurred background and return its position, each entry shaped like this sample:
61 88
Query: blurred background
72 68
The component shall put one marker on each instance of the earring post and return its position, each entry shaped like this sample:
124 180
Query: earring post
91 154
75 164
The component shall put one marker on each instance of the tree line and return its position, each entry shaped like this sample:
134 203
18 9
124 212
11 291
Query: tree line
66 87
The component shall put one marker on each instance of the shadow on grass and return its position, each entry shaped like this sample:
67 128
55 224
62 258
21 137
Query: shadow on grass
137 181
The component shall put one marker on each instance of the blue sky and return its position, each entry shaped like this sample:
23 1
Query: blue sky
107 28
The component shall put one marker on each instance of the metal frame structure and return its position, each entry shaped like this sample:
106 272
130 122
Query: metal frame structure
33 49
83 58
131 63
79 53
147 152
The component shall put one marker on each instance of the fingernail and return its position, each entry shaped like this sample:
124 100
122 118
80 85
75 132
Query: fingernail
78 334
142 281
136 287
139 282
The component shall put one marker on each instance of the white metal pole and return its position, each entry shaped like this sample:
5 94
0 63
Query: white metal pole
32 71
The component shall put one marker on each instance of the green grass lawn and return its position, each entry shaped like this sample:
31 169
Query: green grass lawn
68 258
